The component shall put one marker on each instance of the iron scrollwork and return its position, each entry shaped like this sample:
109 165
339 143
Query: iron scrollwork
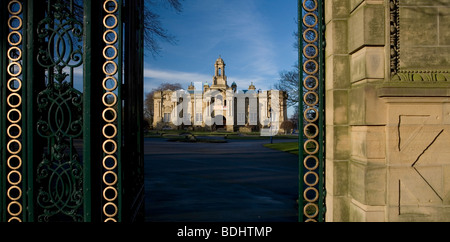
60 172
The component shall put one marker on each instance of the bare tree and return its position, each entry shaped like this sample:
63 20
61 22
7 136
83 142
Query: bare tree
149 103
289 82
154 30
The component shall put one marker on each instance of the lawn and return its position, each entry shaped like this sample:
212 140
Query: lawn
291 147
177 134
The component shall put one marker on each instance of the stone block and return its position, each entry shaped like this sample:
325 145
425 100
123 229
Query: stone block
366 27
444 25
424 3
337 142
367 63
336 36
337 103
435 57
367 183
369 144
363 213
337 177
337 72
365 107
418 26
337 209
354 4
336 9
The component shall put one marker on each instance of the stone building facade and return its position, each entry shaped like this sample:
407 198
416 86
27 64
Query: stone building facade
388 110
219 106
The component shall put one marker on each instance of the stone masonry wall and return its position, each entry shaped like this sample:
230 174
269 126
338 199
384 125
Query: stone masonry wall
387 110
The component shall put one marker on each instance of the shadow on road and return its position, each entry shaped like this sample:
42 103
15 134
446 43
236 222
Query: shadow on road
237 181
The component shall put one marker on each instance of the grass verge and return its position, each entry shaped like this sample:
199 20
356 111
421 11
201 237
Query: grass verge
290 147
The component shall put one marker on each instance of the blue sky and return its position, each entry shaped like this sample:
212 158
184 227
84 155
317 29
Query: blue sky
254 37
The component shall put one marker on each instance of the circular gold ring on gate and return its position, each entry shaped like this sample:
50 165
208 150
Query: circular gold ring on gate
115 52
14 28
306 133
310 25
311 88
315 191
9 193
310 56
105 101
8 147
110 219
14 218
310 9
311 120
113 150
18 11
9 84
112 63
9 53
106 24
10 119
114 81
315 34
14 167
106 33
9 208
114 133
315 175
107 167
109 120
110 199
311 72
305 146
316 97
307 207
12 182
110 204
14 33
315 165
8 100
110 11
14 74
8 131
110 183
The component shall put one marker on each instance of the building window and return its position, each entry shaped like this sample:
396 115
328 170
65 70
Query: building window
253 117
241 117
198 117
167 117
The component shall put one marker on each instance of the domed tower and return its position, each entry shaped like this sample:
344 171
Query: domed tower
219 79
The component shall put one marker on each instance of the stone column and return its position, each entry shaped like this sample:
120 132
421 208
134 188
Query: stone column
387 110
337 128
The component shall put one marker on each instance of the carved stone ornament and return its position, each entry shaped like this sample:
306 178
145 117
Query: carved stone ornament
401 73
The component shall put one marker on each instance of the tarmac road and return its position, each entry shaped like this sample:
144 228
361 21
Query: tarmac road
237 181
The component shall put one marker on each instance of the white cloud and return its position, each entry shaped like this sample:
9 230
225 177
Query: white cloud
171 75
153 78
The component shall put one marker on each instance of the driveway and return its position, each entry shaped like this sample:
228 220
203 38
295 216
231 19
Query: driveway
237 181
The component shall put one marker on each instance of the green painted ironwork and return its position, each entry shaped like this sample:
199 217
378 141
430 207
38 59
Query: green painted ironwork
61 176
311 111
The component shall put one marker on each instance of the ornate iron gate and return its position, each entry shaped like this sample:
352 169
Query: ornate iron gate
71 110
311 111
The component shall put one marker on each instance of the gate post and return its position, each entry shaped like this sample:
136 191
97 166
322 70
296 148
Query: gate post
311 110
